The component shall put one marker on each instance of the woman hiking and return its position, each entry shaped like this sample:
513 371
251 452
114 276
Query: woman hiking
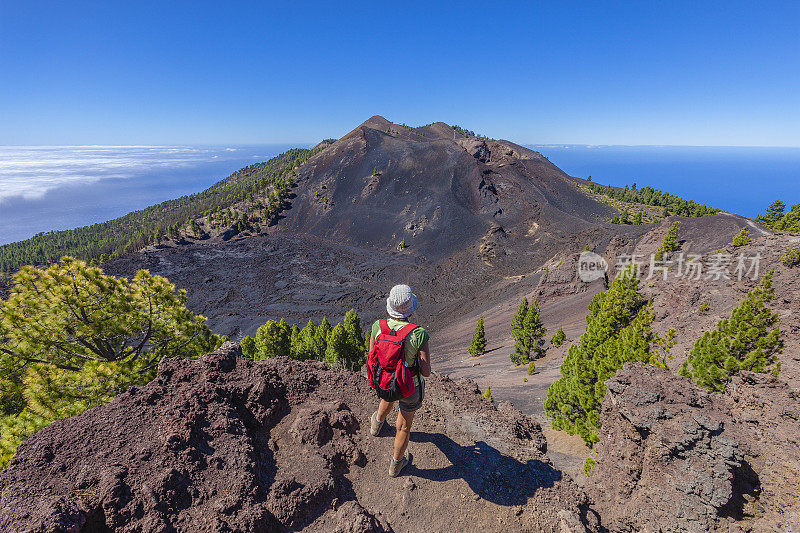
398 362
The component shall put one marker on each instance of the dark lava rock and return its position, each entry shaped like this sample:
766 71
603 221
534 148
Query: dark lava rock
674 457
224 443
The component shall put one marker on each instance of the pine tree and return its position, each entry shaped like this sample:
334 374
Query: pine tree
336 346
367 339
531 368
272 340
520 353
72 337
670 242
534 330
248 346
478 345
319 344
354 355
488 394
559 338
742 238
294 335
638 218
302 347
618 330
744 341
774 213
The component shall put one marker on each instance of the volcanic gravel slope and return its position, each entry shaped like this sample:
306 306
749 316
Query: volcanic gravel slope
223 443
484 222
479 219
470 212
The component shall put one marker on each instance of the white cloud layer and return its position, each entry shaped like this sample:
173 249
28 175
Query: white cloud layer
29 172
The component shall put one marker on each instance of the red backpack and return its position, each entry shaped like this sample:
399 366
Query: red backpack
388 373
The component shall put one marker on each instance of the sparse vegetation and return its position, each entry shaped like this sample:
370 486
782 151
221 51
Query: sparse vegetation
531 368
670 242
618 330
650 196
703 308
742 238
470 133
478 345
488 394
72 337
259 189
744 341
791 257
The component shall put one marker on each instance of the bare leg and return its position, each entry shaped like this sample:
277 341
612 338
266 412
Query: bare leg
384 409
404 421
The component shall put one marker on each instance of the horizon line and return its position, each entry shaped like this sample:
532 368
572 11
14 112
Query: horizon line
313 143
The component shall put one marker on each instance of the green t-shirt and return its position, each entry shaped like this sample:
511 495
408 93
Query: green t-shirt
414 341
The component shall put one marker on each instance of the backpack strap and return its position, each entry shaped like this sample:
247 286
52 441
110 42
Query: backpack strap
406 330
384 324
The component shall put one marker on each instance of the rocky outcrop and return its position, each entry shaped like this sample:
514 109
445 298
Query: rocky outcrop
674 457
223 443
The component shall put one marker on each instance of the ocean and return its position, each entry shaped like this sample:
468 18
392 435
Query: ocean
45 188
742 180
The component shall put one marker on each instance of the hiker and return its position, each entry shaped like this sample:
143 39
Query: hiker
398 362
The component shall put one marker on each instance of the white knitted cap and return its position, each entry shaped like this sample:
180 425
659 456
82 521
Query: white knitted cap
401 302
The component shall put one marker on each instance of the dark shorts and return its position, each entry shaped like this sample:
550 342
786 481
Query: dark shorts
413 402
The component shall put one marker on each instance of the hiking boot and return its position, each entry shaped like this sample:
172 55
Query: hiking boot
375 425
396 466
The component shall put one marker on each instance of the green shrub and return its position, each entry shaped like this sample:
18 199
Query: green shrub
531 368
791 257
588 465
488 394
559 338
742 238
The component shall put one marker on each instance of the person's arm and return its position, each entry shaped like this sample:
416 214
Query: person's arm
425 360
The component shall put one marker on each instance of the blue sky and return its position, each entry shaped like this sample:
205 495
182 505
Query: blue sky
687 73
